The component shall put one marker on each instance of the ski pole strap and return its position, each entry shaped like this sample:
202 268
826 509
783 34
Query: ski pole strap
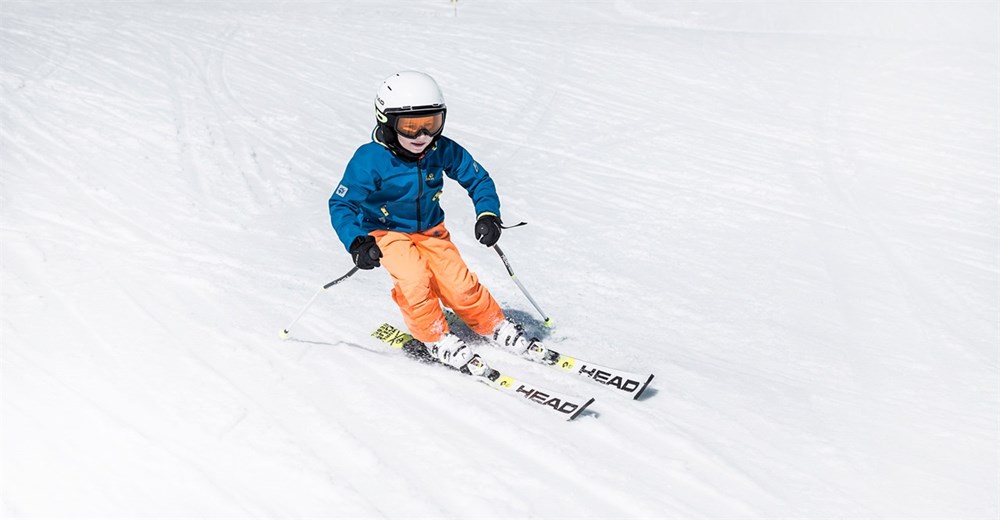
514 226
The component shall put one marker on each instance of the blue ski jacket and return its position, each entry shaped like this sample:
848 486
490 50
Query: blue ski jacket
381 191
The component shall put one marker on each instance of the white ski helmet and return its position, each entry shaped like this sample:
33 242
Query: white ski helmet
409 103
408 91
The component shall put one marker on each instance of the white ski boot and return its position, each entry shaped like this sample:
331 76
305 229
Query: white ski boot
452 351
510 336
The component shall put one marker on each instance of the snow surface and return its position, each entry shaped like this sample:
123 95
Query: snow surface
787 211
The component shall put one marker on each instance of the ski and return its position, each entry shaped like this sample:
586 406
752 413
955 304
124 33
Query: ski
569 407
629 382
633 384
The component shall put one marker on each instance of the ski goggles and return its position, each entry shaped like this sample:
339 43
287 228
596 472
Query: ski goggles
412 126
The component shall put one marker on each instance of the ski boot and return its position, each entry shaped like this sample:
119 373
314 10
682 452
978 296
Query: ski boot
510 336
452 351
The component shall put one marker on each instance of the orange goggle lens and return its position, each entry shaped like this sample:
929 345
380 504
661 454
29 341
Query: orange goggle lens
413 126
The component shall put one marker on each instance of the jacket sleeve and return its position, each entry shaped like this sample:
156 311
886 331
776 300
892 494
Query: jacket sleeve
474 178
360 179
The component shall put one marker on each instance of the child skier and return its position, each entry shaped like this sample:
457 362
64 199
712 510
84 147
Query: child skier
386 212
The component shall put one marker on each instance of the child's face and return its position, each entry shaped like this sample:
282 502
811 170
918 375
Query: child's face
415 145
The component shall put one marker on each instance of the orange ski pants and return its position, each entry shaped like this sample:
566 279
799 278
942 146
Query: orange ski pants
427 271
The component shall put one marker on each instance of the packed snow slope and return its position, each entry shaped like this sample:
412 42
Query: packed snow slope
787 211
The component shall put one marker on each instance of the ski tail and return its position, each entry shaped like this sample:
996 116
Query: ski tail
404 341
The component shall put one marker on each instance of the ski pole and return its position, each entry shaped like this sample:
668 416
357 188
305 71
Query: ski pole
284 332
548 320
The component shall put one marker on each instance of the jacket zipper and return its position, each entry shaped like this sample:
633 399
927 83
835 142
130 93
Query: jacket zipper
420 192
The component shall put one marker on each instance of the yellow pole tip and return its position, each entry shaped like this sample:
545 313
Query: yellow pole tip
549 322
283 334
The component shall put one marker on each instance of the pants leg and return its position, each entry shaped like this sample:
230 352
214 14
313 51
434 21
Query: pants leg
458 287
412 285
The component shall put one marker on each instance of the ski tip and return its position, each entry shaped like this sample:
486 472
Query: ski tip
581 409
283 334
643 389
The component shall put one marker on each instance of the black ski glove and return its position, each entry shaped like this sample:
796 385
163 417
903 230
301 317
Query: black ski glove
365 252
488 230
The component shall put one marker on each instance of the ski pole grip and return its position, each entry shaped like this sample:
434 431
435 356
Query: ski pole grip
342 278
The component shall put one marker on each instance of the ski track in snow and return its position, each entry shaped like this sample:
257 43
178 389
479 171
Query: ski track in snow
787 212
